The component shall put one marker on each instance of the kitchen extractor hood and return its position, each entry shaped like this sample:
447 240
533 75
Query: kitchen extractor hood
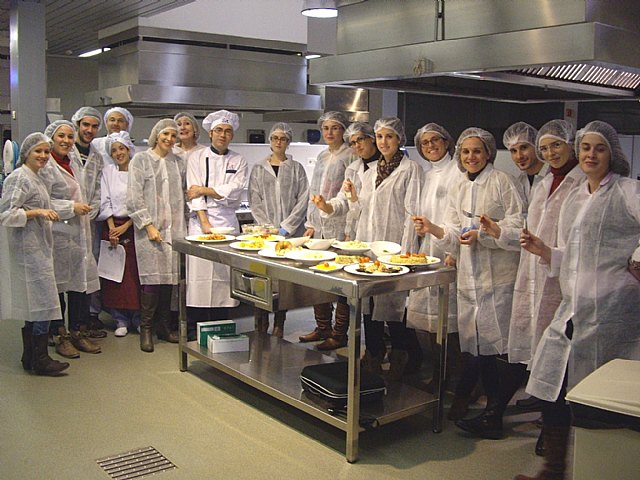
151 71
507 50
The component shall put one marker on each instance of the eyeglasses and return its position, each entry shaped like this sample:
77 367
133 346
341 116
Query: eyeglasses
431 141
357 141
223 131
280 139
555 146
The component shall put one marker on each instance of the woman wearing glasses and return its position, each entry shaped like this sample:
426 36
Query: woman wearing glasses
278 194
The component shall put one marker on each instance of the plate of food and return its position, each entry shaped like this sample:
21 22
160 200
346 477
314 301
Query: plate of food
270 253
352 246
319 243
310 256
375 269
224 230
278 250
349 259
326 267
267 237
250 245
409 259
210 238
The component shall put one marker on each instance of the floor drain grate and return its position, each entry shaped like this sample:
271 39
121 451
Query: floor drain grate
135 463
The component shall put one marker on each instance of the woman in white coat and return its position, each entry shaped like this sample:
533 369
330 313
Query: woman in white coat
486 266
74 263
597 320
278 195
31 294
216 179
155 202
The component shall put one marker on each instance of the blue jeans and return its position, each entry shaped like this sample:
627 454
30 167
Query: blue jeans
39 328
125 318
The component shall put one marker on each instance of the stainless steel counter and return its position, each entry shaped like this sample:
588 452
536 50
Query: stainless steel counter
273 365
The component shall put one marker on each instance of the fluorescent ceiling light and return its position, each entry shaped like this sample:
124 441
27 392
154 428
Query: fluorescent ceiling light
311 56
91 53
319 8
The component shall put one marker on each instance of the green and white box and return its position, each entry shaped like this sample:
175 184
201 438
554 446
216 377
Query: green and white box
214 327
228 343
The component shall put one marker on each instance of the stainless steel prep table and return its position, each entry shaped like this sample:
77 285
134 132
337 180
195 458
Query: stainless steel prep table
273 365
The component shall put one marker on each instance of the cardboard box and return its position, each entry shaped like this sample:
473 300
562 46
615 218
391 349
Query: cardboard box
216 327
228 343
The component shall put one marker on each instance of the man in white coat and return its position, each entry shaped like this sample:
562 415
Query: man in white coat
520 140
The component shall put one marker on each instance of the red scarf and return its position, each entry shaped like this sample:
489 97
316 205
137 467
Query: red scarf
64 162
560 173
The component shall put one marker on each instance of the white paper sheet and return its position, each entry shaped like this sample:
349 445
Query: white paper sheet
111 261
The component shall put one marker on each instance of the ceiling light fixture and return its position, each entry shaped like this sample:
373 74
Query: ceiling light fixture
319 8
91 53
311 56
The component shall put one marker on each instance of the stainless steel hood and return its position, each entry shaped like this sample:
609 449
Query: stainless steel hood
508 50
151 71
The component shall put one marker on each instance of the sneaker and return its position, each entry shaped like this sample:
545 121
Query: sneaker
121 331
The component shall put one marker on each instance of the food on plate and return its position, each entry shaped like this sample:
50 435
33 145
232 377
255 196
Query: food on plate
252 244
411 258
267 237
354 244
211 236
326 266
349 259
377 267
283 246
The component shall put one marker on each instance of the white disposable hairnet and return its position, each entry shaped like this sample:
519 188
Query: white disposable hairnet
618 163
392 123
53 127
334 117
158 128
126 113
558 130
120 137
192 119
487 139
361 128
519 132
434 128
29 143
282 127
214 119
87 112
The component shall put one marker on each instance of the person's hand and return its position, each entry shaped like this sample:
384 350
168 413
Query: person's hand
535 245
48 214
350 190
81 208
309 232
421 224
195 191
449 261
469 237
321 203
153 234
118 231
283 232
489 226
206 227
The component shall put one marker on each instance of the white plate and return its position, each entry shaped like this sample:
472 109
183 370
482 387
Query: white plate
270 253
386 259
223 229
382 247
319 243
195 238
271 238
353 268
298 241
236 246
310 256
344 246
337 268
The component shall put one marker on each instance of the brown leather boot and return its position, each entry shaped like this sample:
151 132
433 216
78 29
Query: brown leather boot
260 320
398 360
41 362
148 306
163 316
278 324
80 340
27 330
556 441
338 337
323 313
64 347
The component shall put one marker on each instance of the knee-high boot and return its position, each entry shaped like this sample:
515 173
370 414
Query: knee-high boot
323 313
148 307
556 441
261 320
41 362
27 349
338 336
163 316
278 323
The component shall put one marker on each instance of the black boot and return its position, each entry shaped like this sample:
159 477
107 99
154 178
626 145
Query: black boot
26 345
163 316
260 321
556 440
540 450
278 323
41 362
486 425
148 307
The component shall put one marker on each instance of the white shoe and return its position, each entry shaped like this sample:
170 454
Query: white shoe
121 331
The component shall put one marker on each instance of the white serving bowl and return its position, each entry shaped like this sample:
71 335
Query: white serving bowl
382 247
346 247
319 243
312 257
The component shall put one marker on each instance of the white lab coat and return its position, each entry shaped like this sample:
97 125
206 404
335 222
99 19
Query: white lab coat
208 282
99 145
383 215
113 190
486 269
187 155
597 234
523 181
91 174
29 289
155 195
536 295
279 200
422 309
328 176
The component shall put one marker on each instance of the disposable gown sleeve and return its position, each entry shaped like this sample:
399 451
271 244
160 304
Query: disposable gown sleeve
195 175
256 196
452 227
11 212
513 220
301 191
411 204
106 207
235 183
136 205
93 180
58 191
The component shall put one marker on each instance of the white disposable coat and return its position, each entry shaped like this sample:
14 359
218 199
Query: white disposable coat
91 174
186 155
536 295
279 200
113 190
155 195
523 181
99 145
328 176
74 264
422 309
597 234
30 293
486 269
383 215
228 175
